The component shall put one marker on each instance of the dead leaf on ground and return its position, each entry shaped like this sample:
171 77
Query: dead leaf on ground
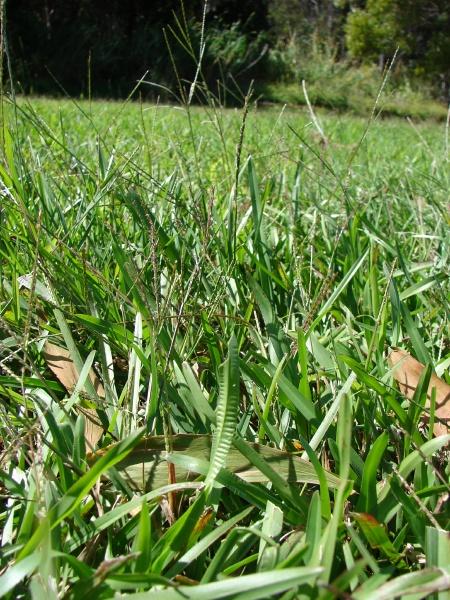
61 364
407 373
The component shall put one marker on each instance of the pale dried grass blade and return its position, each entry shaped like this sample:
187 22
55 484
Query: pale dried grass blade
145 467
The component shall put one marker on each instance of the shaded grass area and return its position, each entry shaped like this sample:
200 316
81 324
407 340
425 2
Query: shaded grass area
346 87
240 277
349 96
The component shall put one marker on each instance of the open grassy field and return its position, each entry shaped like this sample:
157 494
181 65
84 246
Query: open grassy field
224 288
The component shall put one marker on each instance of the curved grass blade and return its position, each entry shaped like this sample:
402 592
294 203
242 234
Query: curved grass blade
145 467
75 494
250 587
368 498
15 574
376 535
227 409
209 539
339 288
420 583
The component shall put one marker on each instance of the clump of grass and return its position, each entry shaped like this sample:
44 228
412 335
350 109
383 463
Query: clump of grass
239 324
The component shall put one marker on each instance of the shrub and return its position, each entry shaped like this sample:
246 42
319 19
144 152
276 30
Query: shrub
420 30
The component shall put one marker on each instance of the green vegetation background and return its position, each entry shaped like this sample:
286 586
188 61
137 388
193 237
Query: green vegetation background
235 275
339 47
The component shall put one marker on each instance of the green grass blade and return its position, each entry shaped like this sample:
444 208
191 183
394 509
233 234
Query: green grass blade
227 408
368 495
246 587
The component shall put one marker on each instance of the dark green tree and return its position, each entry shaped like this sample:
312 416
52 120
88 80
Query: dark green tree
419 29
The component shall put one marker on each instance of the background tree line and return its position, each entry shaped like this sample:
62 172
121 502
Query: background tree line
105 46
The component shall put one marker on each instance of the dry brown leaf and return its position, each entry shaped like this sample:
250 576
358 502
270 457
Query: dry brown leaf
407 373
61 364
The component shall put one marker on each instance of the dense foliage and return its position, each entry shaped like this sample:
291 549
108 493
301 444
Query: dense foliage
100 47
420 30
228 283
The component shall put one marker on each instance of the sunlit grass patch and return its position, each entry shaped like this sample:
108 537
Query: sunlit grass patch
229 346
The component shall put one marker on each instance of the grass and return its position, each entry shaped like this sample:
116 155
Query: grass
341 85
239 334
346 95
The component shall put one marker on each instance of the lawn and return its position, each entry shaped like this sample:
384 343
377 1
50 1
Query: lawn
197 307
